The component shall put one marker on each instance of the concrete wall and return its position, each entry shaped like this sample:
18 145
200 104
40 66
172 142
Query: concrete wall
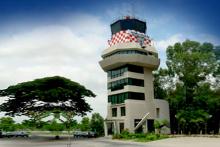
164 113
136 109
164 109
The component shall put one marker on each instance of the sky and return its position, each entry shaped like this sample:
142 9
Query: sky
40 38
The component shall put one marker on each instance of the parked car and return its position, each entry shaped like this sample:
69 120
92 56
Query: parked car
7 134
78 134
84 134
15 134
92 134
20 134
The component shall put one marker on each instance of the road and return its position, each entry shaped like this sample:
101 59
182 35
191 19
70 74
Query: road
51 142
103 142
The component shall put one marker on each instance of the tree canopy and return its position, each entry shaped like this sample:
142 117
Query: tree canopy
97 124
7 124
85 124
189 83
191 63
50 94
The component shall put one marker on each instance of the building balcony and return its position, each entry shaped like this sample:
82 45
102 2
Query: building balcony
118 60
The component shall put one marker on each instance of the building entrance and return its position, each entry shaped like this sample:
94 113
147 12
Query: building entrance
110 126
140 129
150 125
121 126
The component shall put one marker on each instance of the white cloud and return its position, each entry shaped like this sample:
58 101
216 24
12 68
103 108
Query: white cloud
162 45
171 40
72 50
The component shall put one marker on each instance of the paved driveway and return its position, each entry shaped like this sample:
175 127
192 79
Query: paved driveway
187 142
103 142
50 142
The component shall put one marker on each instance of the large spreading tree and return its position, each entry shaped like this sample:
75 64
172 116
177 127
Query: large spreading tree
189 84
43 97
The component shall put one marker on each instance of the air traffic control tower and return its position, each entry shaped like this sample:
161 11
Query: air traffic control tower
129 61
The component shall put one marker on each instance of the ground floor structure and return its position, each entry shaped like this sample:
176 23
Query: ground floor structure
136 116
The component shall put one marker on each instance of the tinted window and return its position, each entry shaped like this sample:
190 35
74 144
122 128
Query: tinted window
123 111
119 84
120 98
114 112
128 52
128 24
121 70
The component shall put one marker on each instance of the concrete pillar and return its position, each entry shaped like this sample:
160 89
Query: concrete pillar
115 127
145 127
106 128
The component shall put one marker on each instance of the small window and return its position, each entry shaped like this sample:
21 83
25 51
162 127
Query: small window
114 112
109 99
158 112
123 111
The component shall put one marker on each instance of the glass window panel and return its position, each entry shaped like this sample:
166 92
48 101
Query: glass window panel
123 111
114 112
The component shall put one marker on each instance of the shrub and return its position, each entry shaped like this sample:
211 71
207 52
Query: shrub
151 137
141 137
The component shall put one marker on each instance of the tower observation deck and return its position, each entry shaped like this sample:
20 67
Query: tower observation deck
128 24
129 61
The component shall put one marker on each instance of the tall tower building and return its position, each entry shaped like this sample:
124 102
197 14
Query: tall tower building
129 61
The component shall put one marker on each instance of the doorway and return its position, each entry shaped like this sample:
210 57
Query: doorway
121 127
140 129
110 128
150 125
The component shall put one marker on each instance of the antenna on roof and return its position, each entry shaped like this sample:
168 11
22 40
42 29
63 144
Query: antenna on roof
132 10
128 9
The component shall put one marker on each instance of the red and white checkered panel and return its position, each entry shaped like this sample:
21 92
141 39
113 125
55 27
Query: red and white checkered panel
129 36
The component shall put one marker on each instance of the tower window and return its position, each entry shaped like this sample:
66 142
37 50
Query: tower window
120 98
123 113
158 112
134 68
114 112
119 84
124 52
121 70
